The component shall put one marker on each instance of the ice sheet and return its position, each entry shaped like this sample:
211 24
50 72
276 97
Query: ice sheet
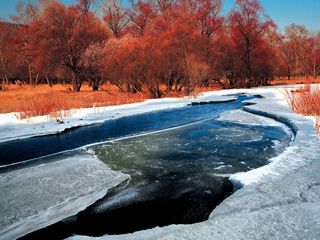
37 196
278 222
240 116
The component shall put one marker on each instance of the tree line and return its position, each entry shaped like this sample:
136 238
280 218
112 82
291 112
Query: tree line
154 45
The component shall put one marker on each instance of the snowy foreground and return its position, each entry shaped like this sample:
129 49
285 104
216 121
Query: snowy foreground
278 201
35 197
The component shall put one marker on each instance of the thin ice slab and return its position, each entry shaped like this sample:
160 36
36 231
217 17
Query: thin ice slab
35 197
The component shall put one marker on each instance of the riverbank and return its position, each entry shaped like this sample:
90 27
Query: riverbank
277 200
54 102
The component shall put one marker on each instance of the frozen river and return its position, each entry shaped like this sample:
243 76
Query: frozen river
179 161
20 150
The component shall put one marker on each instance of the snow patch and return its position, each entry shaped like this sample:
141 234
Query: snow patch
223 166
242 117
281 163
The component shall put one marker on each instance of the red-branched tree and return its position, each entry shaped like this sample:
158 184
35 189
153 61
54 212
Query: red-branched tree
66 33
141 15
249 28
116 16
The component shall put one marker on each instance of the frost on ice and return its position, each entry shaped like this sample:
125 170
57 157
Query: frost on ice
37 196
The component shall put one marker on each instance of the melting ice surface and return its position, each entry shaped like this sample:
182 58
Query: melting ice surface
178 173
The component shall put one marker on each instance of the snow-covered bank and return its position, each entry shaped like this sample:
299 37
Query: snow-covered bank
278 201
12 128
35 197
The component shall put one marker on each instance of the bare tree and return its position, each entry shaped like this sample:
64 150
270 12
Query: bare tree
67 33
315 54
298 36
141 16
26 14
249 27
85 5
116 16
7 53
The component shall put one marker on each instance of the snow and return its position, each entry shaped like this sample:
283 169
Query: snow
280 200
282 162
240 116
207 97
37 196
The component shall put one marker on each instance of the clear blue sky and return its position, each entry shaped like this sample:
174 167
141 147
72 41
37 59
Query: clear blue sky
283 12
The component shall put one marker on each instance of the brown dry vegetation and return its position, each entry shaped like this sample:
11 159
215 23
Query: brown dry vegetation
296 80
44 100
306 101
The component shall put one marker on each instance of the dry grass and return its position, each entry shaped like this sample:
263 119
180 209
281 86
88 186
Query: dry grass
41 100
44 105
298 80
305 101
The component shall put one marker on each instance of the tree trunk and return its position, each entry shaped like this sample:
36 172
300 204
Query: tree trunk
95 83
2 86
37 78
48 80
288 74
155 91
30 74
76 87
248 78
128 87
117 85
76 84
314 68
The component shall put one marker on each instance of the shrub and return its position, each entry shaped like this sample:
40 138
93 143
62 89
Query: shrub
306 101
